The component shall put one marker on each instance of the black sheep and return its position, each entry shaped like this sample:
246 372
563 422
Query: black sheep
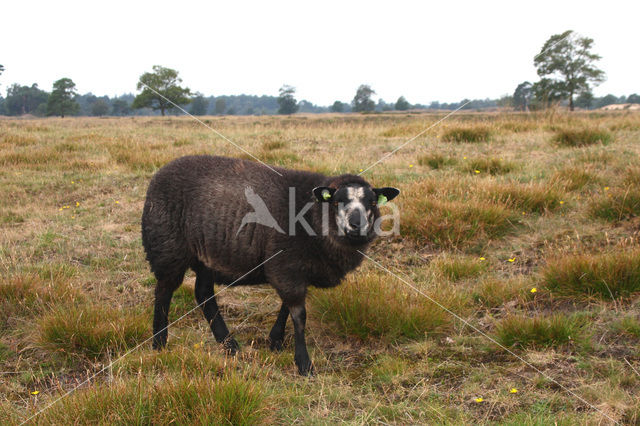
211 214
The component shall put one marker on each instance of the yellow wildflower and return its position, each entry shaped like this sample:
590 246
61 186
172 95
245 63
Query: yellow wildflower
77 204
513 390
513 259
606 188
534 290
410 165
561 202
35 392
482 258
479 399
477 171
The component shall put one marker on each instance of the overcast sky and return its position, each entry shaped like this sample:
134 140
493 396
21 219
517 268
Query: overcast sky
426 51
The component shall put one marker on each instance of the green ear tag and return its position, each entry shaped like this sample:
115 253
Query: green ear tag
326 194
382 200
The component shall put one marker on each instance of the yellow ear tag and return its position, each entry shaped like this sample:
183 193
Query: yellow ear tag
326 194
382 200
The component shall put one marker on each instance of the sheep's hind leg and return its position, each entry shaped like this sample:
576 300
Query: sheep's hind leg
207 301
276 336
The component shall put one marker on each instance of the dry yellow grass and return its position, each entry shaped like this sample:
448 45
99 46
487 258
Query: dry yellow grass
76 291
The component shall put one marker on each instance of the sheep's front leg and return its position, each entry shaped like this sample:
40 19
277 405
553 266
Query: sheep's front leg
299 318
276 337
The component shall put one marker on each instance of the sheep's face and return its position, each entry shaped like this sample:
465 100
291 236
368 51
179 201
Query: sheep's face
355 208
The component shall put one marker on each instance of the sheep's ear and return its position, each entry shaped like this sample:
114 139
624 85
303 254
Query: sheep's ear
323 193
386 194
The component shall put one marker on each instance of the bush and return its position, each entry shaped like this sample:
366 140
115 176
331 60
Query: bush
582 137
467 134
605 276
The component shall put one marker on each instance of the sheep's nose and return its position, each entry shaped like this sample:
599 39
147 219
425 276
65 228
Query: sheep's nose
355 221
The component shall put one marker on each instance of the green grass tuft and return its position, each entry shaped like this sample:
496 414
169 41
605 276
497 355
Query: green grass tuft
582 137
467 134
436 161
377 305
493 166
627 325
184 399
606 276
617 204
91 331
458 268
29 295
574 178
536 198
494 292
539 332
456 224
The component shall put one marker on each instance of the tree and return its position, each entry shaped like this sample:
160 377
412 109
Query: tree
337 107
633 98
402 104
199 105
161 90
505 101
585 100
99 108
221 105
547 92
25 100
120 107
522 96
362 101
566 58
1 69
287 100
606 100
61 101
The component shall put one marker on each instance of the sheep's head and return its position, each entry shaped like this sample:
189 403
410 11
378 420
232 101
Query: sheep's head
354 205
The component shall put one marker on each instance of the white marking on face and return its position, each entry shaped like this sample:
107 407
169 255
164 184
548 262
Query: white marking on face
354 206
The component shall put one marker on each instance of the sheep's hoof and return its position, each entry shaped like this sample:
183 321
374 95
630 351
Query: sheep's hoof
276 345
158 344
305 368
230 346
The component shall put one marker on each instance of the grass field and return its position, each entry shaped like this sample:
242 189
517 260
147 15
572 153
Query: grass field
525 226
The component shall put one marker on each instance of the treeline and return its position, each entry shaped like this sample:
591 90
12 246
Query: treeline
32 100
